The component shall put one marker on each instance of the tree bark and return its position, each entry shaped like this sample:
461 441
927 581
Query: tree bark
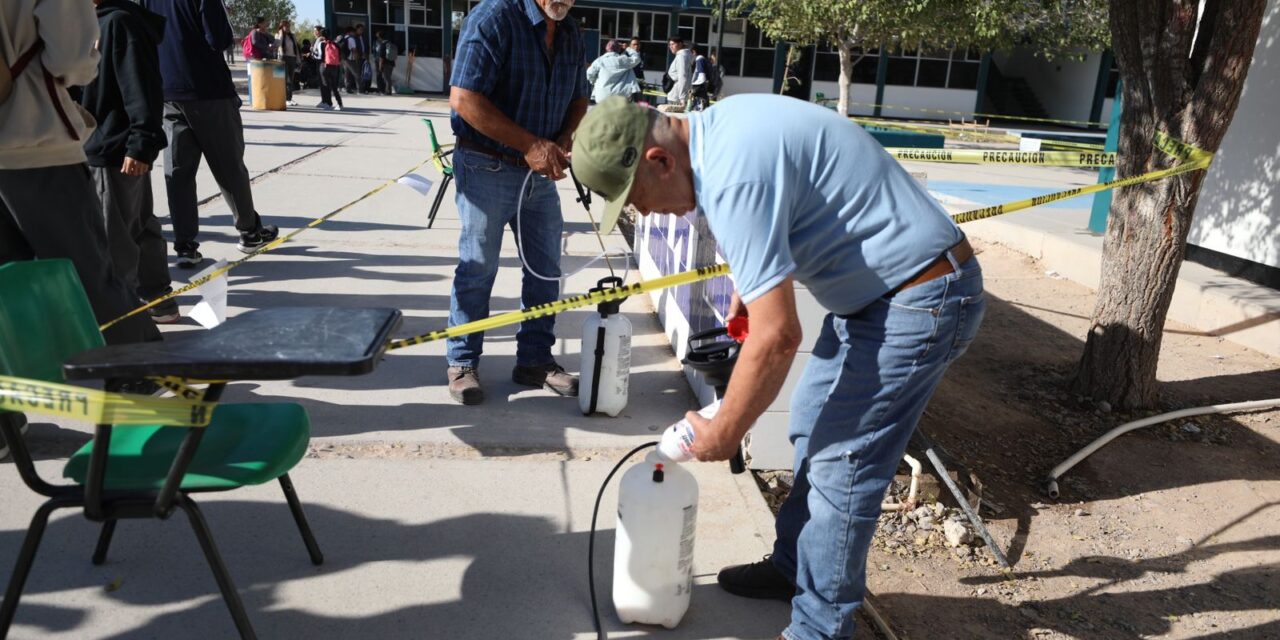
1190 95
846 75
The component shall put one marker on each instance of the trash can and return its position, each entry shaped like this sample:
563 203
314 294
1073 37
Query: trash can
266 85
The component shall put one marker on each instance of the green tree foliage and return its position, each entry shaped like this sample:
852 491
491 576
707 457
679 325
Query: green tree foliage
242 13
1050 27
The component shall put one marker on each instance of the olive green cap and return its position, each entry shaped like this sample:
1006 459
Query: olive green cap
606 152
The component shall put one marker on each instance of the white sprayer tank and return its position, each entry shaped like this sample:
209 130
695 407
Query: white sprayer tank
653 549
610 331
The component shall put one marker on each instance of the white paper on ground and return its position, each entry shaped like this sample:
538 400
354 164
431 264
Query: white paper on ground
416 182
1029 144
212 309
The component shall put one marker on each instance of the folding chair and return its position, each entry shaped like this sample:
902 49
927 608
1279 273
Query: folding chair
439 157
148 471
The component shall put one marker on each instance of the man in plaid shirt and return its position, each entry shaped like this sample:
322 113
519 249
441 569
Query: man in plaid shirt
519 89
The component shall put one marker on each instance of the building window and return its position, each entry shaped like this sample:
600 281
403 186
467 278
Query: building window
826 65
757 63
621 24
935 68
426 42
357 7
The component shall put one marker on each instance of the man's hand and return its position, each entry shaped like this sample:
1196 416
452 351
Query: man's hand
736 308
712 442
547 158
133 167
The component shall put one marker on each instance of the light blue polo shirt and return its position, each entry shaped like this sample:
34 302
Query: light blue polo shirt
790 188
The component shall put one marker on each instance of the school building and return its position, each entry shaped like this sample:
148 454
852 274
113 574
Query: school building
959 81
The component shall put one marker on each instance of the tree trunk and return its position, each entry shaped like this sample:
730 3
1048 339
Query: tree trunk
846 75
1190 94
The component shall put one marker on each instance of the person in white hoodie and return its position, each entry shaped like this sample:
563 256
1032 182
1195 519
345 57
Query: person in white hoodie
681 73
48 203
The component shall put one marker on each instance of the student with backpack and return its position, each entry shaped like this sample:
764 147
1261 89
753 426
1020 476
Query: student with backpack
353 56
386 54
329 56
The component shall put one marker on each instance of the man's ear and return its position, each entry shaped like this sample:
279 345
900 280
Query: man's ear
658 159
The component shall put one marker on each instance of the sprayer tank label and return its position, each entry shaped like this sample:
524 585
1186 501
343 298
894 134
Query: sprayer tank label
688 528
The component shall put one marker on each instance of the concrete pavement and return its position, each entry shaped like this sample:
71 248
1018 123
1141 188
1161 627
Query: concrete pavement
437 520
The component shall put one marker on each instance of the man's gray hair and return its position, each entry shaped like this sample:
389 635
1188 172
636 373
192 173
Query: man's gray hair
660 133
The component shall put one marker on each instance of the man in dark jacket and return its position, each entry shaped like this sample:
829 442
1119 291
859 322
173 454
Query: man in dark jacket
202 117
128 102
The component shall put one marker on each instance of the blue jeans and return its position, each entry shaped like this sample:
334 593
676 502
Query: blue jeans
867 383
488 190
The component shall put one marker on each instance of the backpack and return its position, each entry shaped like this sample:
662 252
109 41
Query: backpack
344 45
8 74
246 48
389 51
332 56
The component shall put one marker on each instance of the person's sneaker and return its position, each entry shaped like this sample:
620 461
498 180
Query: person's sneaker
291 103
324 105
464 385
551 377
188 257
338 108
251 241
166 312
760 580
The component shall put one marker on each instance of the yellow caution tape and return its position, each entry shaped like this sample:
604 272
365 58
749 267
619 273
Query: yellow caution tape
437 158
1003 156
195 284
182 389
1063 144
567 304
99 407
949 132
1088 123
1193 159
1200 161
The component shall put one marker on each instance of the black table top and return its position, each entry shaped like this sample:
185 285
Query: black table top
266 344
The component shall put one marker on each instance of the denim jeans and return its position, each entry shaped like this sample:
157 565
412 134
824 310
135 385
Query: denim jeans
868 381
488 190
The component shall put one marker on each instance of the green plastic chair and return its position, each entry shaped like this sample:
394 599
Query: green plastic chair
147 471
440 157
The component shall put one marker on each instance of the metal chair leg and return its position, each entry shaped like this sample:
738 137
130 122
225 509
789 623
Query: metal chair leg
435 207
22 568
295 507
228 588
104 542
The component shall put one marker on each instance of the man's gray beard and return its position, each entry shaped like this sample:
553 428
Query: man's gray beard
558 12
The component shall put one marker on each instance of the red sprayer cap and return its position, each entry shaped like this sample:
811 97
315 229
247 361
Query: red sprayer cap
737 328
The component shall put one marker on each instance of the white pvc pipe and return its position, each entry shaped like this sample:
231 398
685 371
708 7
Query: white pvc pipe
1051 483
916 468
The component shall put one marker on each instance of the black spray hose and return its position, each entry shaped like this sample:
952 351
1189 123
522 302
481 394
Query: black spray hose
591 540
737 464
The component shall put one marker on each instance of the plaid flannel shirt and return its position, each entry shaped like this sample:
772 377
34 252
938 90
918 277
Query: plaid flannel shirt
502 54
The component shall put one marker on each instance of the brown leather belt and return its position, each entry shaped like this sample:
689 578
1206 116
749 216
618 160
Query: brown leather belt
940 267
463 143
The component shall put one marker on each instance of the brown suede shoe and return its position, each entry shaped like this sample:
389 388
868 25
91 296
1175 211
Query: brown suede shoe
551 377
464 385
